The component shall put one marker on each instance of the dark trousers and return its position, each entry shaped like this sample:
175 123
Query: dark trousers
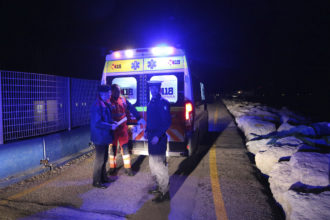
100 162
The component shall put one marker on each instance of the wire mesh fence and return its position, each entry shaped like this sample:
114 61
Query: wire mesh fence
37 104
83 94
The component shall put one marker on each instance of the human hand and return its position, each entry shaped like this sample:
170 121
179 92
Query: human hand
142 122
154 140
114 125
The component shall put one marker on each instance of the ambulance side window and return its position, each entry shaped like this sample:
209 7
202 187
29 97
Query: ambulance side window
198 90
128 87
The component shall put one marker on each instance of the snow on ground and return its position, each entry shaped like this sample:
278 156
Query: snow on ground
293 152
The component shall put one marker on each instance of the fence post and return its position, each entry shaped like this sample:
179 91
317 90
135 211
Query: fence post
69 104
1 125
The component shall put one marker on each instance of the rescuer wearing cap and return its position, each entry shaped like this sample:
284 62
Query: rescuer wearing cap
158 121
121 108
101 126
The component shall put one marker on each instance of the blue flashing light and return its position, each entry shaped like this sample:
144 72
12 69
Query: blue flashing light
159 51
129 53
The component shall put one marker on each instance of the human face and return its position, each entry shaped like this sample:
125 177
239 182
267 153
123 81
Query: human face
105 96
116 93
154 90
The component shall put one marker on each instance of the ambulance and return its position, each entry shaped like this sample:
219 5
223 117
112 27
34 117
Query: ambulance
132 69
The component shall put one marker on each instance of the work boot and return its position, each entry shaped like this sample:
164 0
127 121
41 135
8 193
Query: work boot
106 180
112 171
129 172
161 197
99 185
154 190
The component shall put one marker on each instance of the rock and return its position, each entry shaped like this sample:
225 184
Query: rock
258 145
265 161
252 126
264 114
307 206
309 171
280 180
290 117
321 144
285 127
321 128
290 140
311 168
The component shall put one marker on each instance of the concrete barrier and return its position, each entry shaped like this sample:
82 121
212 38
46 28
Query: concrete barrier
20 159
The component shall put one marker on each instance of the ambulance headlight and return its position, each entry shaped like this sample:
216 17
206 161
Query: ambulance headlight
129 53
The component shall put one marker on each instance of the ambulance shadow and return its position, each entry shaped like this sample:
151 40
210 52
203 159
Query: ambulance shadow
187 166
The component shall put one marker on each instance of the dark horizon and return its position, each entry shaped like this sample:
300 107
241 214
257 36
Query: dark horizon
230 46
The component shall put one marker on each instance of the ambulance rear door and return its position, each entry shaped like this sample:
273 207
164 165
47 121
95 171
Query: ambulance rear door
134 88
172 89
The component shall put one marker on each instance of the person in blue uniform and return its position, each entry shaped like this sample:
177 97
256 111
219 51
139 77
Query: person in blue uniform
158 121
101 126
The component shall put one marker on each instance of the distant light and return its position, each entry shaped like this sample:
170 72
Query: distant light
129 53
117 54
158 51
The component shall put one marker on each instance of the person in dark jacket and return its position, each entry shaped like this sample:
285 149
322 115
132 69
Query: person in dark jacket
102 127
158 121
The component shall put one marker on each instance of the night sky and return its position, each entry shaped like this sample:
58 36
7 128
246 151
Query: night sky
258 44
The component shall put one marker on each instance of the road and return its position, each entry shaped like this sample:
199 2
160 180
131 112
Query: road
220 181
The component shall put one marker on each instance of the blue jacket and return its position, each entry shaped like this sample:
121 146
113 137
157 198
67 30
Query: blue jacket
101 133
158 121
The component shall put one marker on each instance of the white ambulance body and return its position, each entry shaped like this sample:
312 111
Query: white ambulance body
131 69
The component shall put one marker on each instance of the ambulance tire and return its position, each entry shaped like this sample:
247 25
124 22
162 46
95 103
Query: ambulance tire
193 143
203 140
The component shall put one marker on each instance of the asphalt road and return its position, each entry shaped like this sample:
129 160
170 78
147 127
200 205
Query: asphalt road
220 181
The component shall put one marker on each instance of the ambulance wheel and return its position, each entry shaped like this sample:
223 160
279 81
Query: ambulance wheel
190 149
193 143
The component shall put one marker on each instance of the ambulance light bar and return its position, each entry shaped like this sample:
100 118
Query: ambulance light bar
129 53
159 51
137 53
117 54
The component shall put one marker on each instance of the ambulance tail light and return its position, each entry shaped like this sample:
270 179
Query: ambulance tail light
189 114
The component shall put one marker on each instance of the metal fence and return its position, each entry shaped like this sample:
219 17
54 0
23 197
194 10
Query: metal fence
37 104
83 94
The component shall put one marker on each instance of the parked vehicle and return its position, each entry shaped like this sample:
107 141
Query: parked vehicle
131 69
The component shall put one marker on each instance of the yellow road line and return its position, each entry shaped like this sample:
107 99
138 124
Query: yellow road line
219 206
217 195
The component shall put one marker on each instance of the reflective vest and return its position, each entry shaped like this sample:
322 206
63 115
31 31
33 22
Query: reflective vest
119 111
